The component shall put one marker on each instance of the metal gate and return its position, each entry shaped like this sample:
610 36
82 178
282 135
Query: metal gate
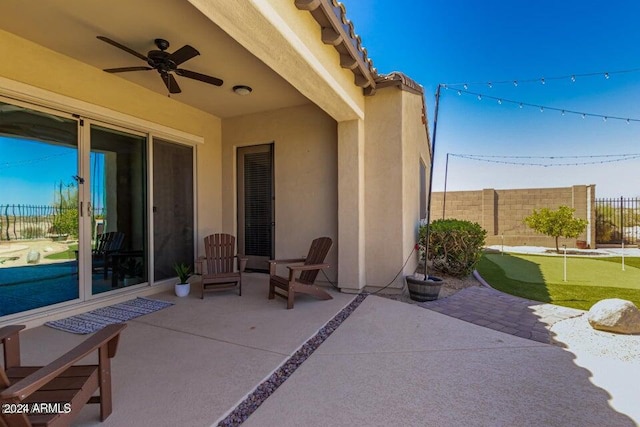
618 220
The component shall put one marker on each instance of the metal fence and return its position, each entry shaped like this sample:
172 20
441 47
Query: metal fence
22 222
25 222
617 221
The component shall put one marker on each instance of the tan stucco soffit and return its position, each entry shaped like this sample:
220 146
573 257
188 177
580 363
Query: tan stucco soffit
338 31
263 28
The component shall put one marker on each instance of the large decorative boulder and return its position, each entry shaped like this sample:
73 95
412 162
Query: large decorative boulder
615 315
33 257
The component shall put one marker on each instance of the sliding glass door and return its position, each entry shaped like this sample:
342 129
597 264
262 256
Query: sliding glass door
74 208
39 221
118 200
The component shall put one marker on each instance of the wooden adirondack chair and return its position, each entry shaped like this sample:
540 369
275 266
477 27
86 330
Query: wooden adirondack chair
219 273
60 382
108 243
313 263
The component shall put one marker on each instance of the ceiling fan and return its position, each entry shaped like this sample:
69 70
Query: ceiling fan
165 63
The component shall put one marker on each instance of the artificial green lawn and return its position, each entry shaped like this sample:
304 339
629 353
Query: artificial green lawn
540 278
70 253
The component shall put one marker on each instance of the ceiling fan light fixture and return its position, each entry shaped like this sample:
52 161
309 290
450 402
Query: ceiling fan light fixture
242 90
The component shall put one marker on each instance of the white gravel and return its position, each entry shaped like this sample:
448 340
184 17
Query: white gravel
612 359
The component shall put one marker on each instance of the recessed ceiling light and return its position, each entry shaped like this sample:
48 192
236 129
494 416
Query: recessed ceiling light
242 90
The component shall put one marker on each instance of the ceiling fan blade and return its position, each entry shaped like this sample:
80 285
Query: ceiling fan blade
123 69
183 54
201 77
123 47
170 82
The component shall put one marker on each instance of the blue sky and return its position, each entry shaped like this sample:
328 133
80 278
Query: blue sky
480 42
31 172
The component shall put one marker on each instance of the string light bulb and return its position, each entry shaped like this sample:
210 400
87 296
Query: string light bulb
584 116
499 101
542 109
479 97
563 112
515 83
520 105
542 80
606 76
573 79
465 86
459 92
490 85
604 119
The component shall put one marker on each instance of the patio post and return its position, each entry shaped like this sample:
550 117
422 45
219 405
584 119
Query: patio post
351 205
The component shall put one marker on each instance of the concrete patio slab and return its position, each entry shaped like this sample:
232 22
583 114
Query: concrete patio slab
457 374
377 327
251 320
389 363
188 364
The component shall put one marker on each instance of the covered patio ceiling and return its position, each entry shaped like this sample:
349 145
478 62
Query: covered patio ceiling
70 27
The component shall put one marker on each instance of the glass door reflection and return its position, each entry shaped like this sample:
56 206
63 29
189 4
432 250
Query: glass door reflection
39 223
118 170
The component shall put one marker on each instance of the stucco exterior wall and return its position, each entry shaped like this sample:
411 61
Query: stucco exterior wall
383 186
415 148
502 212
396 140
66 76
305 172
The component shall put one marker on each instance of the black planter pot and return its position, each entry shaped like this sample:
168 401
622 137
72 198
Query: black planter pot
424 290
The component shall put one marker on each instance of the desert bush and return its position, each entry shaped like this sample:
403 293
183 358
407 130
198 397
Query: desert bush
66 200
455 246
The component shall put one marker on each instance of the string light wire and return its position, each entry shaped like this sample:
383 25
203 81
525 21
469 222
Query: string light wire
542 80
6 165
542 108
608 158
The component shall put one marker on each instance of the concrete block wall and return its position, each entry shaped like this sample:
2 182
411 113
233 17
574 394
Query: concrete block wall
502 212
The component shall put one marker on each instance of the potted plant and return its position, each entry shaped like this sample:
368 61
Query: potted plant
423 287
452 247
184 272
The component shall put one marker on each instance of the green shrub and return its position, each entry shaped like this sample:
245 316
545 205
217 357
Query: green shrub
65 200
66 222
455 246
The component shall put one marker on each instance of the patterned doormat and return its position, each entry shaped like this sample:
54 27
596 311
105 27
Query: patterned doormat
92 321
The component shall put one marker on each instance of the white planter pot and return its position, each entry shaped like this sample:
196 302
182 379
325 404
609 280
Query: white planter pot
182 289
